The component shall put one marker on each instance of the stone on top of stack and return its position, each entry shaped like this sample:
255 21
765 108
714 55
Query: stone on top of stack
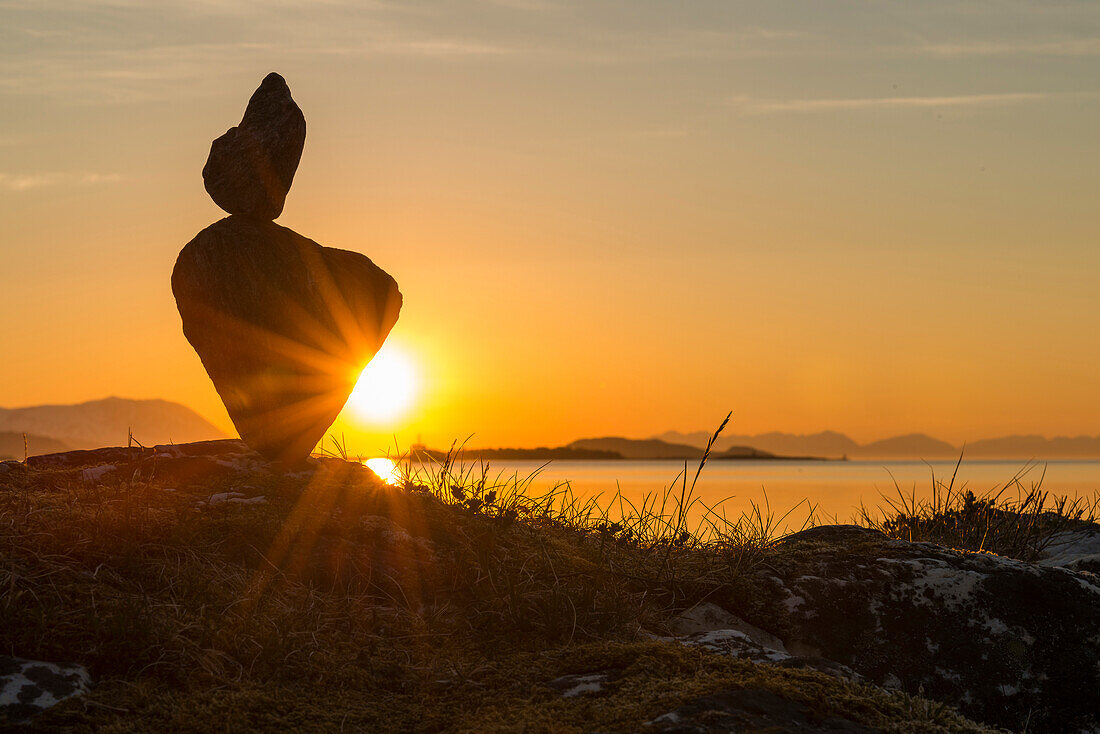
250 168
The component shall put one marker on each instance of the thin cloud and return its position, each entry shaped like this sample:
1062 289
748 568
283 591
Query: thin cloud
425 47
525 5
121 74
203 7
39 33
24 182
660 133
1062 47
169 71
758 106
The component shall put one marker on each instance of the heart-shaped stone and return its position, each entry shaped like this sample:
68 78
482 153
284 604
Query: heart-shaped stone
283 327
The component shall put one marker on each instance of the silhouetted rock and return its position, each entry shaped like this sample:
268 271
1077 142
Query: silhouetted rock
283 326
251 167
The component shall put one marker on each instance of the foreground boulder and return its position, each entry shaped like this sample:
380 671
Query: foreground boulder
11 468
714 629
283 327
751 709
251 167
28 686
176 463
1077 550
181 465
1009 643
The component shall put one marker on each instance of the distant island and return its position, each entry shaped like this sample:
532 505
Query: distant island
654 448
776 446
609 448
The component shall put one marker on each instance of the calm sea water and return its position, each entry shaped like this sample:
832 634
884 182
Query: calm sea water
836 488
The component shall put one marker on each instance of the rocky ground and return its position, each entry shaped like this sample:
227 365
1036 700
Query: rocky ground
199 587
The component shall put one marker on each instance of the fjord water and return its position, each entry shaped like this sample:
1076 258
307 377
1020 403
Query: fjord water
836 487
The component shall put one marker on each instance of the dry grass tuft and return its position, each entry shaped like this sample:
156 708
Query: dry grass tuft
668 548
1017 519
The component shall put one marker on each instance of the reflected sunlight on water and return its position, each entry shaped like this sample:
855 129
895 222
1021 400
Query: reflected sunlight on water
836 489
385 468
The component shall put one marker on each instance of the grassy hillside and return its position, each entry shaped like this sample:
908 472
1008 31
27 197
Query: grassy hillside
339 603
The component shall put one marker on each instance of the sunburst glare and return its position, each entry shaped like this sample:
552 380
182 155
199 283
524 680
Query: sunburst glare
386 469
387 388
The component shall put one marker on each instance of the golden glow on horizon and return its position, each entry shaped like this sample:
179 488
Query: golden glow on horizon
388 387
386 470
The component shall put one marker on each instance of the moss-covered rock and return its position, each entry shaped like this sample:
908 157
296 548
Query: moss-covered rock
1009 643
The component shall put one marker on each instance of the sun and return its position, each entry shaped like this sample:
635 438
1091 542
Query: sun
386 469
387 387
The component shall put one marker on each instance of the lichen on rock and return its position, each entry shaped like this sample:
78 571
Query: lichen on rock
1006 641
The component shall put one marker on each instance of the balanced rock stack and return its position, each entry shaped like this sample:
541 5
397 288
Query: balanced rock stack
282 325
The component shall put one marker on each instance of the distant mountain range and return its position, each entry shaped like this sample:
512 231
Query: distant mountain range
107 422
834 445
630 448
827 443
102 423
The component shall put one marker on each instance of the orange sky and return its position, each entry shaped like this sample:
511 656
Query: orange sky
606 218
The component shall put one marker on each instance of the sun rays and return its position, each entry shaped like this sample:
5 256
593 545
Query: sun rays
387 388
386 469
